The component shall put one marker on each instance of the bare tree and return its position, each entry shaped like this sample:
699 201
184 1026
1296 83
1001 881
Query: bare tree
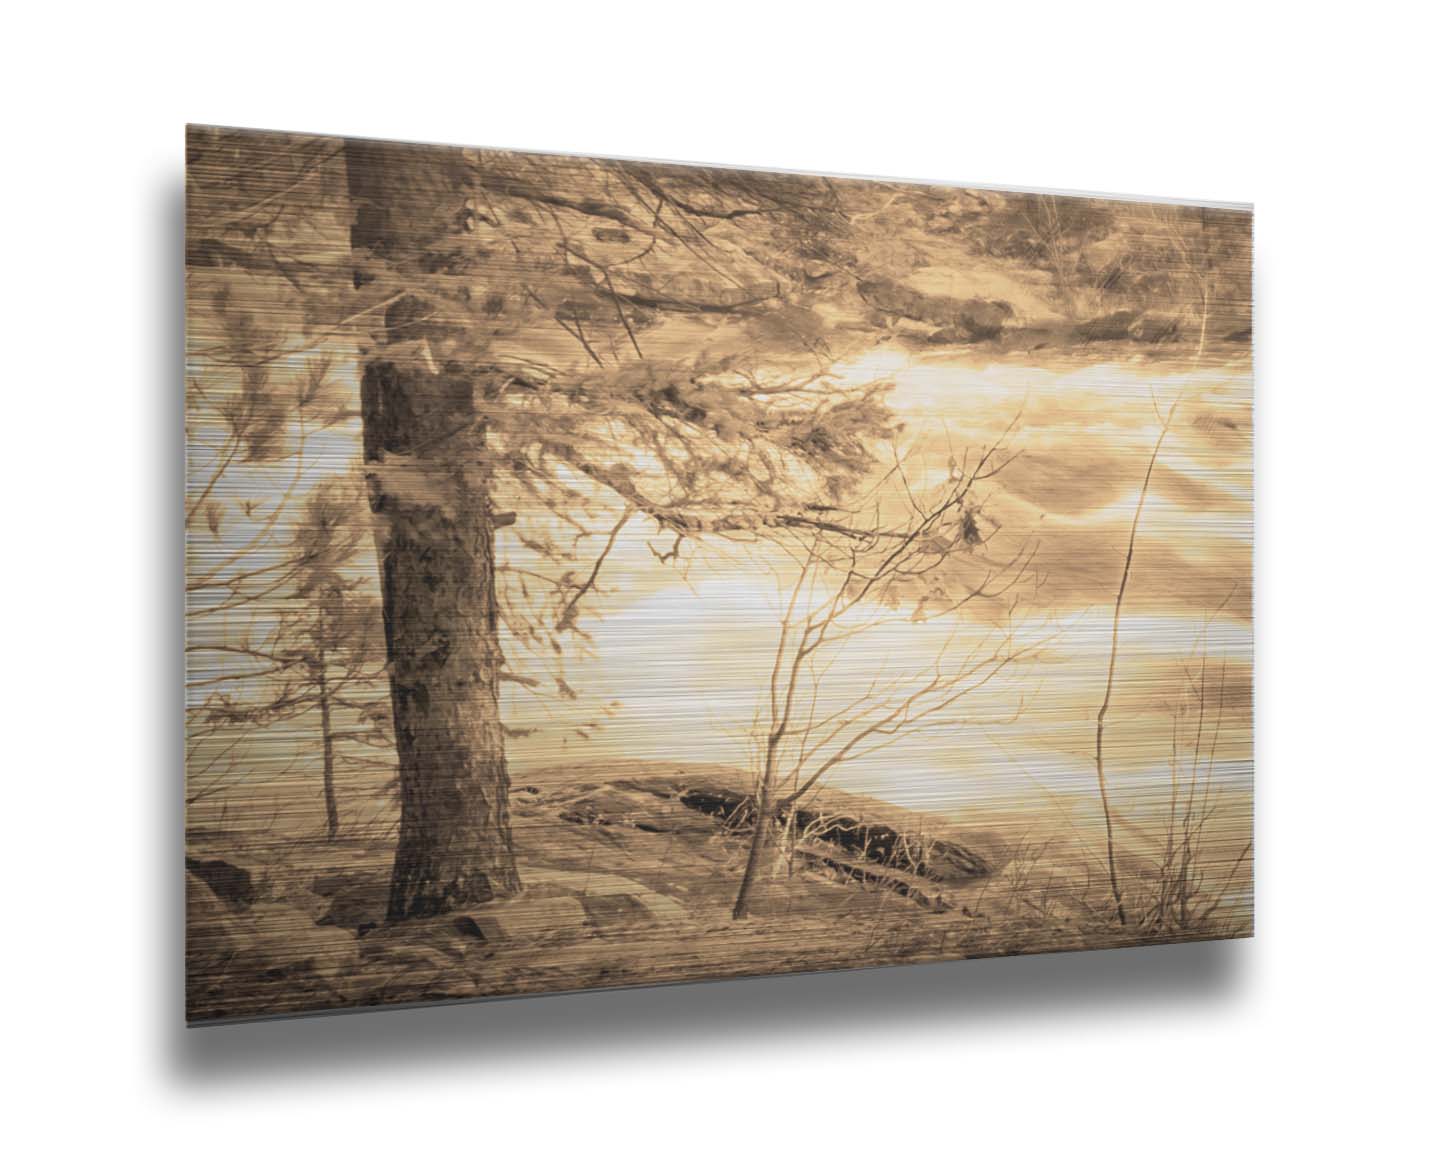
1198 265
859 572
1100 781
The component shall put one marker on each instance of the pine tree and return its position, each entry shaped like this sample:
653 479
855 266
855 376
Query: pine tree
316 664
551 337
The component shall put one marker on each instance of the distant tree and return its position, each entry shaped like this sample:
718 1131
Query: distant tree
1056 234
319 659
335 635
1157 273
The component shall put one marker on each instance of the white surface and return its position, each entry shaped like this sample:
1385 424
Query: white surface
1319 1031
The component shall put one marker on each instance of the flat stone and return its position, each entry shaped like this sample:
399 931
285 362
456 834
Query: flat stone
525 917
609 900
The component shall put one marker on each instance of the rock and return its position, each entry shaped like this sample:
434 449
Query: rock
628 806
286 941
201 903
984 319
228 881
271 941
213 933
329 883
615 910
957 321
358 902
663 908
555 881
721 803
949 861
631 909
1115 326
438 939
524 918
1158 329
950 336
609 900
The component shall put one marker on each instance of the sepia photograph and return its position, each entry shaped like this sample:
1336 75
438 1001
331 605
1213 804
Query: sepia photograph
602 572
635 576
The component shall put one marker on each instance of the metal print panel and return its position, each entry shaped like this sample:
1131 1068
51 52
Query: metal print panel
608 573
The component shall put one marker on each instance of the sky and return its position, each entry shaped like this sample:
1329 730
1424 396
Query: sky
687 653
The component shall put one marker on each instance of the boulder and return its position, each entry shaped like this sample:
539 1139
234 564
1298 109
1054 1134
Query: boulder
609 901
957 321
627 806
1159 329
229 881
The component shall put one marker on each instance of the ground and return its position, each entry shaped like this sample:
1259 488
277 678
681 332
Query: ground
630 874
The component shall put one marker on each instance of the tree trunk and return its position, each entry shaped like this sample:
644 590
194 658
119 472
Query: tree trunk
327 745
435 536
754 864
759 857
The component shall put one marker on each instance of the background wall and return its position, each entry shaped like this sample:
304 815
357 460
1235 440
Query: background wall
1320 1028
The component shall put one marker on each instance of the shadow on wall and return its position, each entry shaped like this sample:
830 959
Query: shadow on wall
736 1014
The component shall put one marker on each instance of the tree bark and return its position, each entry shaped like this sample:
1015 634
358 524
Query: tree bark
435 536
